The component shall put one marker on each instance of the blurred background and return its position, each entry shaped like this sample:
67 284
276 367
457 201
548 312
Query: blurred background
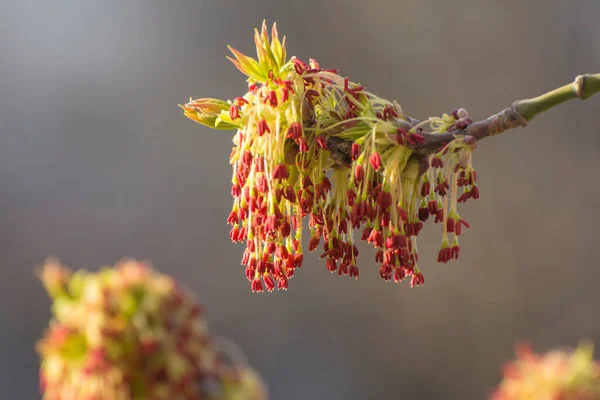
97 162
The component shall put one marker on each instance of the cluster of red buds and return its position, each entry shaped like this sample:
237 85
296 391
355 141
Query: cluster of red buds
127 333
556 375
310 143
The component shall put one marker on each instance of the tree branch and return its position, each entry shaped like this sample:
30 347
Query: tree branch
520 113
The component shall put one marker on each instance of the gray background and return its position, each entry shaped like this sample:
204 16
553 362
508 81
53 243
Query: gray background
97 162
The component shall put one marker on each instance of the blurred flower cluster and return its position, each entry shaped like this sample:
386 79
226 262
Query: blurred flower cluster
128 332
556 375
311 143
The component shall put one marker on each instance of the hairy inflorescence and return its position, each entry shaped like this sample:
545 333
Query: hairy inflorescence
311 144
128 333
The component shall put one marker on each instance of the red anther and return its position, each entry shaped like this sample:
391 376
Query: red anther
355 151
436 162
261 265
289 85
250 272
355 90
236 190
240 101
262 127
298 258
285 229
343 269
234 233
233 112
423 214
294 131
285 94
350 114
444 255
432 206
442 186
408 228
302 146
475 192
359 173
299 66
246 257
370 211
385 271
252 87
366 233
399 274
246 158
269 283
308 81
233 217
389 257
439 215
389 113
271 98
257 285
321 142
306 182
417 280
343 226
375 161
376 238
261 183
450 225
455 251
281 252
417 228
402 214
311 93
417 138
425 189
313 243
270 225
280 172
353 271
401 240
282 283
331 265
379 256
350 196
390 242
289 194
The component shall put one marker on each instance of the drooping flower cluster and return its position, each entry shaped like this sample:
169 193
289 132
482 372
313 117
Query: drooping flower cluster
131 333
564 375
310 143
